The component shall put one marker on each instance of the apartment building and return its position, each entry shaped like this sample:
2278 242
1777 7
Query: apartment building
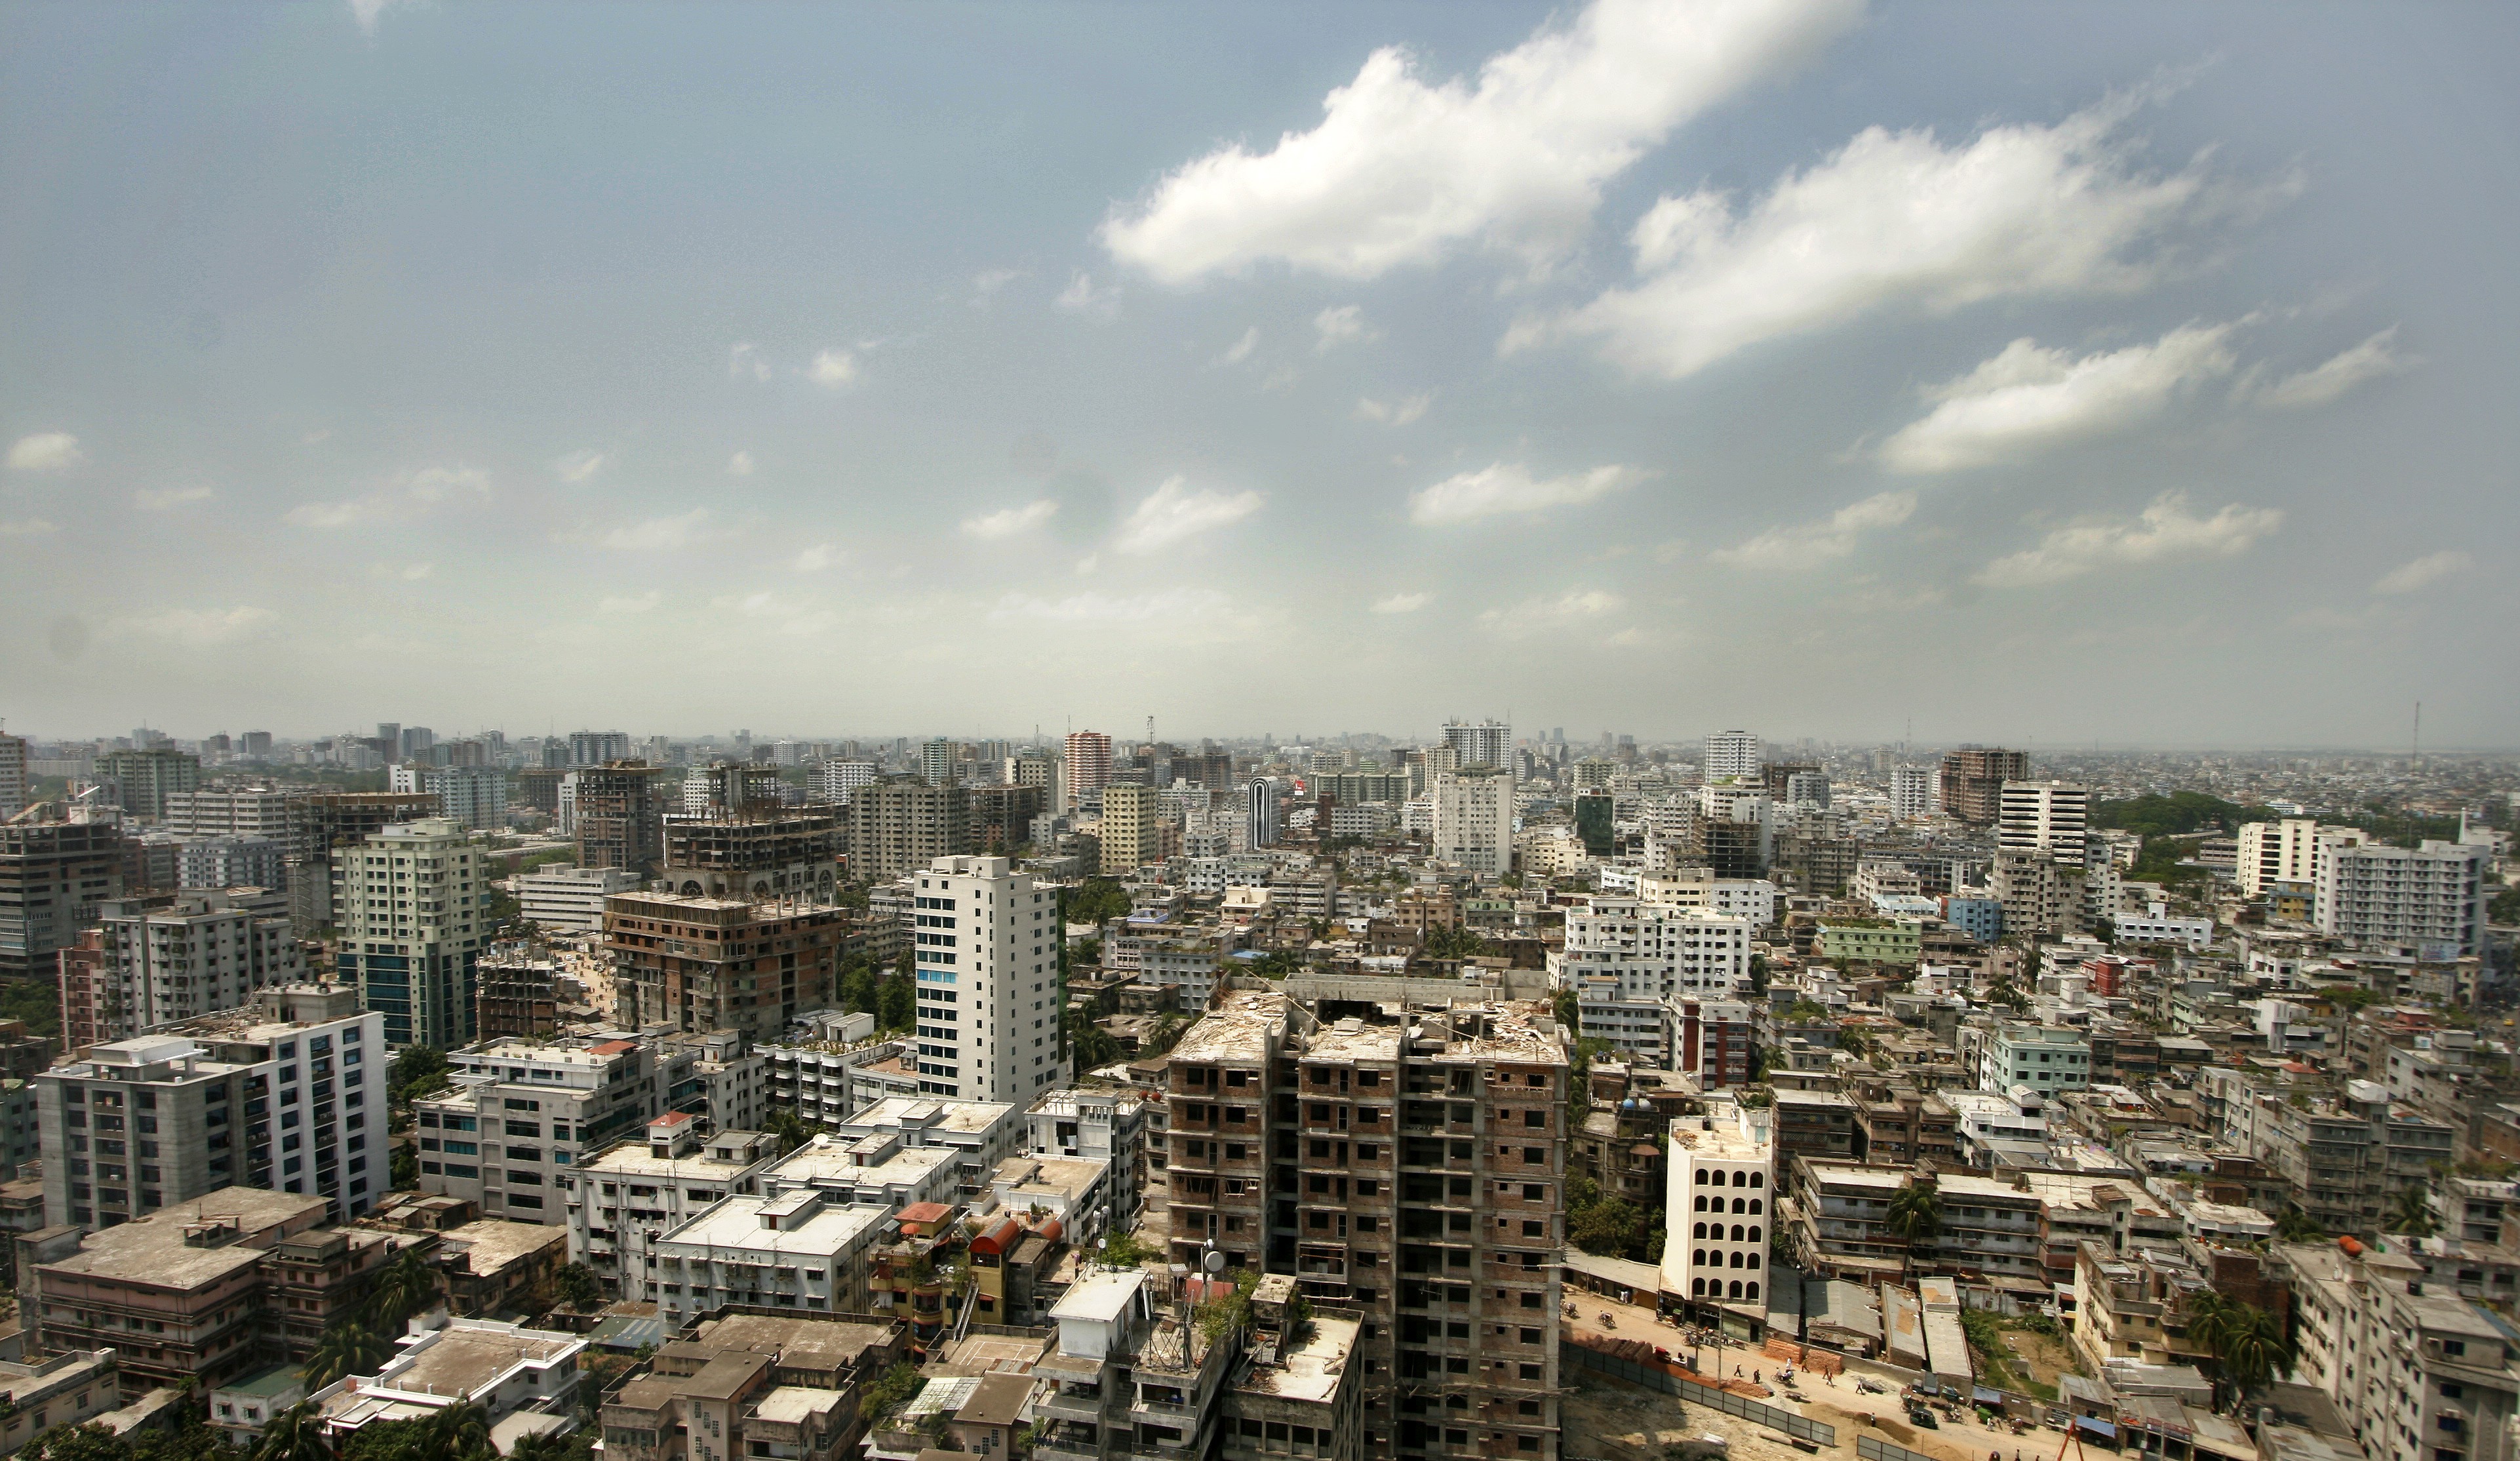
1096 1125
279 1094
160 960
1087 766
1872 941
1698 888
12 775
505 1369
1972 782
411 903
1132 829
230 811
2287 855
753 1384
759 852
1912 793
2047 1058
1133 1372
2413 1369
1720 1176
323 823
520 994
622 1198
1475 820
902 824
696 963
841 780
2040 895
475 795
2047 818
143 780
2431 898
52 877
990 981
826 1085
63 1390
1415 1172
2345 1159
799 1250
569 899
617 813
516 1116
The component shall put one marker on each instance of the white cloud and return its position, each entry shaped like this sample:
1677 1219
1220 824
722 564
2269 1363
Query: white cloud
986 283
2028 398
27 527
740 464
1397 413
1891 220
198 627
657 535
2164 532
816 559
2423 572
1402 602
1092 607
45 451
1082 297
1008 521
832 370
1340 325
791 617
1549 612
415 573
745 361
578 466
628 604
435 483
369 12
1240 351
1402 171
327 514
1172 514
2321 383
165 499
1280 378
1508 487
1808 545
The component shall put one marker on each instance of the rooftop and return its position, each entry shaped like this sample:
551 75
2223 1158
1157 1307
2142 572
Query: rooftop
1237 1029
1310 1370
467 1355
735 1222
801 1344
491 1243
927 1113
151 1251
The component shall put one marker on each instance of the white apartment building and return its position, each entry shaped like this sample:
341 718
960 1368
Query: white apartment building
1719 1202
1108 1127
826 1084
276 1095
508 1130
2155 924
1629 961
408 904
12 775
1699 888
2050 818
1731 754
570 899
2417 1371
232 862
1915 792
799 1249
1485 743
966 1139
2047 1058
251 812
196 956
1475 821
2431 896
475 795
2288 851
988 983
623 1199
840 779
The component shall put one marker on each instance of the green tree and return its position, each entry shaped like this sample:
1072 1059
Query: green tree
296 1433
1094 1045
1568 1009
1915 1215
403 1169
1455 944
347 1347
860 986
888 1393
789 1129
461 1430
418 1070
407 1286
2413 1213
579 1288
2298 1226
896 1007
1097 901
88 1443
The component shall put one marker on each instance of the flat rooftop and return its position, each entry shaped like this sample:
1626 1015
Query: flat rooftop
151 1250
1310 1371
927 1114
800 1343
1354 1041
1071 1177
633 1159
1102 1297
795 1404
827 1160
1237 1029
735 1222
492 1244
462 1358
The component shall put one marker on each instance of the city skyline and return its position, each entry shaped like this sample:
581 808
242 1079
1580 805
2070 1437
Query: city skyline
1997 374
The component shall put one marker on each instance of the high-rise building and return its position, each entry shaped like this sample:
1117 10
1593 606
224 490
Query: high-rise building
1132 830
1413 1172
1972 782
1720 1210
841 779
1595 822
254 746
1260 813
475 795
1629 962
1485 743
232 862
286 1093
1002 816
12 775
901 824
1089 763
1912 792
1475 820
53 875
990 983
761 852
729 785
142 779
161 961
2288 852
2051 819
2431 898
597 748
221 811
618 816
936 762
407 901
701 964
1733 754
320 823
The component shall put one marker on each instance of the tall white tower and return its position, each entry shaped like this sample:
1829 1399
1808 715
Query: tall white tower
988 984
1732 753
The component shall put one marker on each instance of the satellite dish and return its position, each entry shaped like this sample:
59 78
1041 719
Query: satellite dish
1214 1262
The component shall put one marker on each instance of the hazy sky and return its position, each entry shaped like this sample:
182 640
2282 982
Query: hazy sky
2056 373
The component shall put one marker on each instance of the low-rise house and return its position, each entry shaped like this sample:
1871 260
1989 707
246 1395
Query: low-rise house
1300 1388
68 1388
752 1384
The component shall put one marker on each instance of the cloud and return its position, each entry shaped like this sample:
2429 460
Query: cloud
2027 399
413 573
27 527
1091 607
791 617
435 483
1240 351
1398 413
816 559
1340 325
2164 532
578 466
1508 487
1552 611
1892 220
740 464
369 12
1005 522
1808 545
2371 360
197 627
832 370
657 535
1402 602
1402 171
1280 378
2423 572
45 451
327 514
1082 297
986 283
166 499
1172 514
747 361
628 604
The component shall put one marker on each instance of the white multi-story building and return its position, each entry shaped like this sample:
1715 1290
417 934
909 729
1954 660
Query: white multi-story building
570 899
1720 1207
1486 742
232 862
1475 820
2416 1370
2047 1058
2155 924
1731 754
1913 792
988 981
213 812
799 1250
1108 1127
196 956
2050 818
623 1199
826 1084
1628 962
409 905
1698 888
2432 896
841 779
475 795
509 1128
2288 851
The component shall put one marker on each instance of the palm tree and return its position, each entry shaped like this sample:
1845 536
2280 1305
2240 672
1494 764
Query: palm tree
2414 1215
538 1446
407 1286
789 1128
347 1348
296 1433
2298 1226
2253 1350
457 1431
1915 1214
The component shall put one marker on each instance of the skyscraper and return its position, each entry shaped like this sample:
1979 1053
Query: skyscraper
475 795
1089 762
1487 743
407 901
1260 812
1132 833
1732 753
1475 820
901 824
936 762
1912 792
619 815
989 985
596 748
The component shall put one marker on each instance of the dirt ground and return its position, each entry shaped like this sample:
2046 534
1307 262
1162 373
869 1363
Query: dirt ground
1606 1419
2040 1357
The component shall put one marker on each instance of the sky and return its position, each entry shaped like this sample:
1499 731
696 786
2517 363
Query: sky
2126 375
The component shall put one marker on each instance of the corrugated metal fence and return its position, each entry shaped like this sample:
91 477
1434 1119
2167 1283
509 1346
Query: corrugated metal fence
1874 1449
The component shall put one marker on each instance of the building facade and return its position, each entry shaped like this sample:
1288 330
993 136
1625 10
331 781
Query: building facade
409 902
990 981
703 964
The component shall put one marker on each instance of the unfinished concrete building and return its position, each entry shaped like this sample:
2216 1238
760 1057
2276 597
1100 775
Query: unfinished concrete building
759 852
619 812
1413 1170
705 964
